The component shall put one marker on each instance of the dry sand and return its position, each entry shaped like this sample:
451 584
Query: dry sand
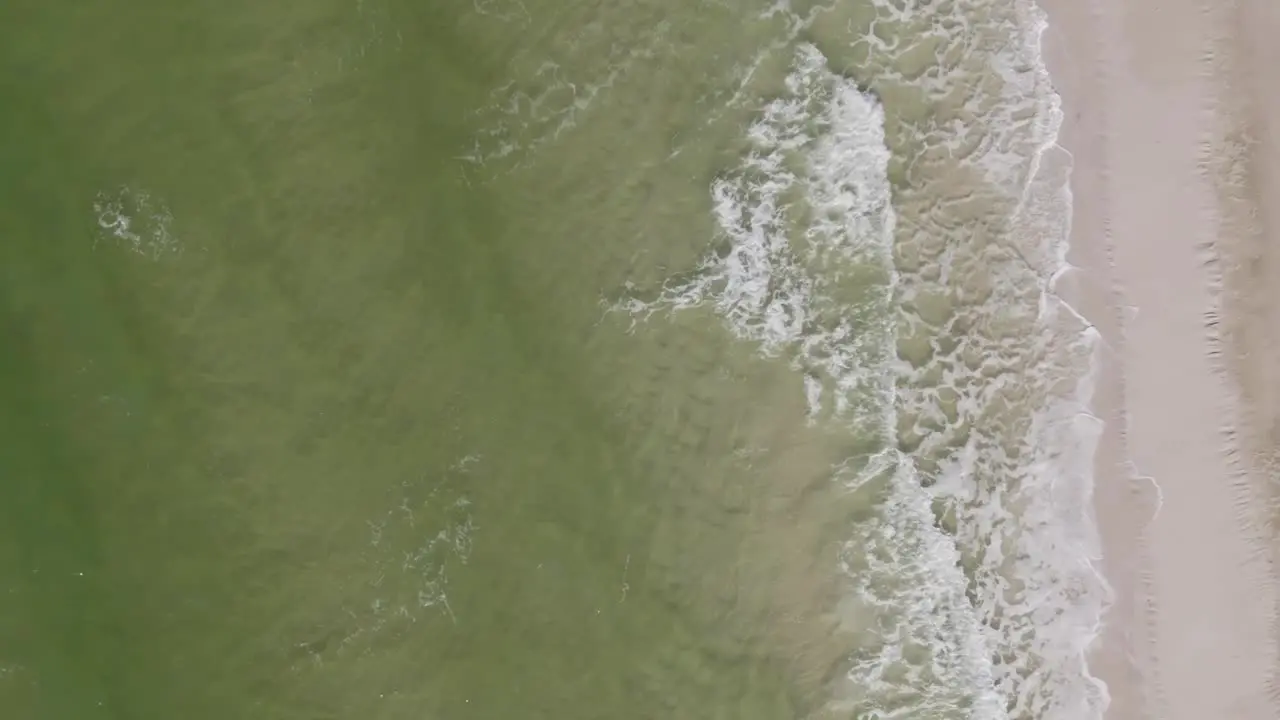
1173 120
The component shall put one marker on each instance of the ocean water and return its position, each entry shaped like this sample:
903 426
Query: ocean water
517 358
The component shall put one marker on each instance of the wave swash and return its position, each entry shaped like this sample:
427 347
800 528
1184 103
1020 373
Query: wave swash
979 569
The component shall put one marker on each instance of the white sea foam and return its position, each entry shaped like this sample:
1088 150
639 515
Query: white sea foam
821 296
808 274
997 408
992 617
401 579
548 98
930 659
135 220
1014 457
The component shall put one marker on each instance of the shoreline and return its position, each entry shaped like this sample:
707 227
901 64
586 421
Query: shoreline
1119 504
1189 633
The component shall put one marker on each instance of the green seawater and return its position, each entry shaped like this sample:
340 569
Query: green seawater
310 405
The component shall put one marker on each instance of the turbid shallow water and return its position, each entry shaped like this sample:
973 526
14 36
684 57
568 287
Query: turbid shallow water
529 359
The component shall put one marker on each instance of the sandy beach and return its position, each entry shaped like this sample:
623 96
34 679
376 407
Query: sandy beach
1170 123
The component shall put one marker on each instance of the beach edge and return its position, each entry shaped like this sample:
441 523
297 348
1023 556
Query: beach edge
1191 628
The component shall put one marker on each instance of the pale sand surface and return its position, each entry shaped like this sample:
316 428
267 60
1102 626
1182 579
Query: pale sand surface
1182 489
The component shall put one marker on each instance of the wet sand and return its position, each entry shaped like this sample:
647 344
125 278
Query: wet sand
1167 230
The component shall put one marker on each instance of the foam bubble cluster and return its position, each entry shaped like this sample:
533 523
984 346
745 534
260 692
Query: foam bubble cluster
134 220
805 267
